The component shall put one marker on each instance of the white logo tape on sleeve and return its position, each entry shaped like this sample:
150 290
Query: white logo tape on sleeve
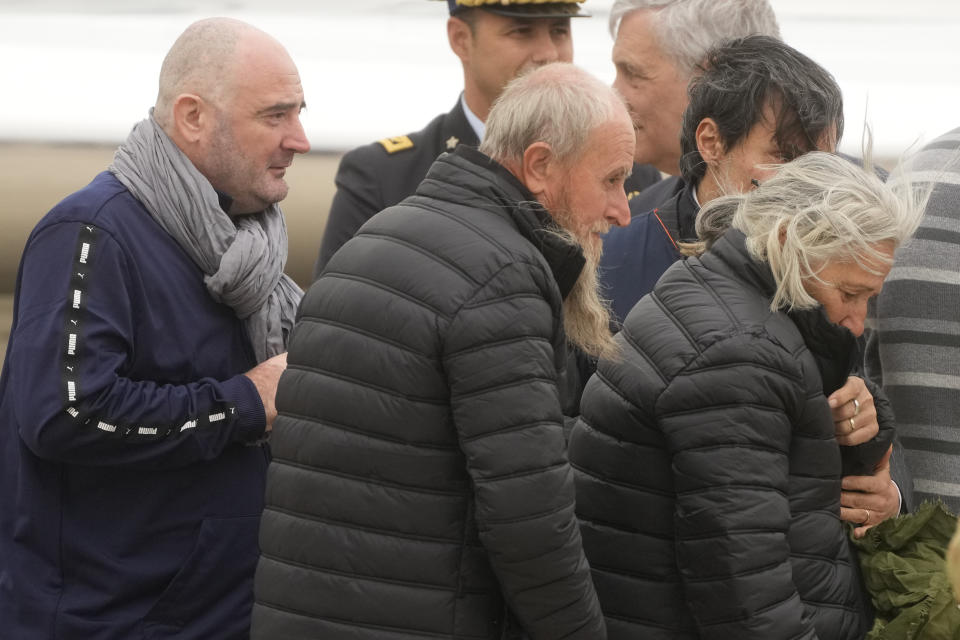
72 378
70 370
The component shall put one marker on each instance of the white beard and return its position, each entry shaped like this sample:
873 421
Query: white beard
586 316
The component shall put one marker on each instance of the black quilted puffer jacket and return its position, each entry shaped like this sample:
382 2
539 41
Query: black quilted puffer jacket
419 486
707 471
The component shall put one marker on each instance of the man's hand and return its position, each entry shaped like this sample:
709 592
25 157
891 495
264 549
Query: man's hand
265 377
869 500
854 416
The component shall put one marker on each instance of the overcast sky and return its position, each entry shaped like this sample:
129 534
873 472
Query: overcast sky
85 70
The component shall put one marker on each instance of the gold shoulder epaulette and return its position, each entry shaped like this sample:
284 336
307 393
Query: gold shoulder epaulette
398 143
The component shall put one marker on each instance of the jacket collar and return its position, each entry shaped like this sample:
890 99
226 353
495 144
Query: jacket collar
731 251
679 214
456 126
533 221
834 347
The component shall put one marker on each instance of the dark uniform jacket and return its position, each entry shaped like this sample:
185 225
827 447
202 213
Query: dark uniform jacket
641 178
655 195
708 474
379 175
419 486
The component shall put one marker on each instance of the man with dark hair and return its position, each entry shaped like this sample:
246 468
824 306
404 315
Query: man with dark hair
759 102
495 41
150 331
658 48
421 490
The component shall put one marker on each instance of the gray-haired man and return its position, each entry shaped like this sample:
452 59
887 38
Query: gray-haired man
419 482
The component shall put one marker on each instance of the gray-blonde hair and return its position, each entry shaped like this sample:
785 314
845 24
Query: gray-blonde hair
687 29
558 103
817 209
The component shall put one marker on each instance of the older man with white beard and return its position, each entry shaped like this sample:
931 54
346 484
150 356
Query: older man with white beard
419 484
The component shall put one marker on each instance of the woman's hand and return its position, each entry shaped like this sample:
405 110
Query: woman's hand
854 416
867 501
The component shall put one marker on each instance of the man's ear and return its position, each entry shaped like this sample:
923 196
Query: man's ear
709 143
460 37
190 117
539 163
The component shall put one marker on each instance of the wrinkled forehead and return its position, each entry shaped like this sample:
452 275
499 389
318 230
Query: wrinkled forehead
609 146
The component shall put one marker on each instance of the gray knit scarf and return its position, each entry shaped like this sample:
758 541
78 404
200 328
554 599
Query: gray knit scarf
242 257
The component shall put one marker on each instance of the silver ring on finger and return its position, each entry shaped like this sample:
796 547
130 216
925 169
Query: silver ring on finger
856 406
867 519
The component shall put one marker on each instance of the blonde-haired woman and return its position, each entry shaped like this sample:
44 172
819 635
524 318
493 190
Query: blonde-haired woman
708 472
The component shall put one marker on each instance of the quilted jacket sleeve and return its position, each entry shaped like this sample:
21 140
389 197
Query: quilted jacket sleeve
861 459
728 427
501 366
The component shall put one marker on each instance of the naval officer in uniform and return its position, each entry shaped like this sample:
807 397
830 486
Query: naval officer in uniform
495 40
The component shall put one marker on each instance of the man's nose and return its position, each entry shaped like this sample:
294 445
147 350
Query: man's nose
619 211
296 139
546 50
